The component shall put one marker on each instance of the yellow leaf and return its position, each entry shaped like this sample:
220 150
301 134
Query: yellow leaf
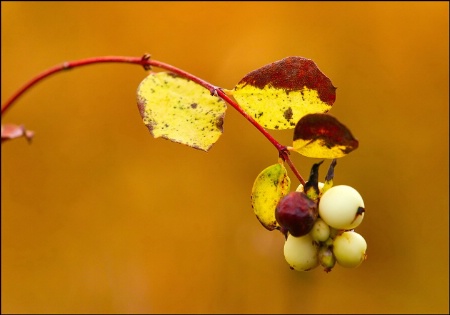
279 94
180 110
270 186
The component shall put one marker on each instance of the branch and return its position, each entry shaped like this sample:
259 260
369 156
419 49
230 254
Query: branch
147 63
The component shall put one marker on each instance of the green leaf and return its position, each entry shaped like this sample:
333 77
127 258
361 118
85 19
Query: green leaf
323 136
270 186
279 94
180 110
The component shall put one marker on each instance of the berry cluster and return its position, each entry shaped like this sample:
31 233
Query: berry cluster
319 224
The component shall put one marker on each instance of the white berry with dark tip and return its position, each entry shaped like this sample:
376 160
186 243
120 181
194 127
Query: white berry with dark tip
342 207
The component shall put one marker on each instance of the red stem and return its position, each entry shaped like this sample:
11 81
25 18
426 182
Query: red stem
67 66
146 62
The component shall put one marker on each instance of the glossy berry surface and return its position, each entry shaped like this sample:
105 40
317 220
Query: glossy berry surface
342 207
296 213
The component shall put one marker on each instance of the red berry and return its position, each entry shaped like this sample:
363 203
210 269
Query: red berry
296 213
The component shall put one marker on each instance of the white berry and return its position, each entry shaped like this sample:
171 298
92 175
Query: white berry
301 252
342 207
349 248
320 231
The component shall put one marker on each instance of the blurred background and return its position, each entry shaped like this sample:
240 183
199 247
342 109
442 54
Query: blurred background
99 217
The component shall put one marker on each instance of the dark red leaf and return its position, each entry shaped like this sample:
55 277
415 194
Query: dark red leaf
323 136
292 74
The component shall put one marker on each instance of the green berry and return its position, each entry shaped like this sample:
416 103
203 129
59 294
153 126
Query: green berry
326 258
334 232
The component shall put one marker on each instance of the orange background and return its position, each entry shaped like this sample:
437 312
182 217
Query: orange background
98 216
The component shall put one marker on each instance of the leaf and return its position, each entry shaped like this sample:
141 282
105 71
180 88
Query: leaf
279 94
322 136
180 110
330 176
11 131
312 185
270 186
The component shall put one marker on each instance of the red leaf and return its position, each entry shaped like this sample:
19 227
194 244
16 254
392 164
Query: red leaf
323 136
291 74
11 131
